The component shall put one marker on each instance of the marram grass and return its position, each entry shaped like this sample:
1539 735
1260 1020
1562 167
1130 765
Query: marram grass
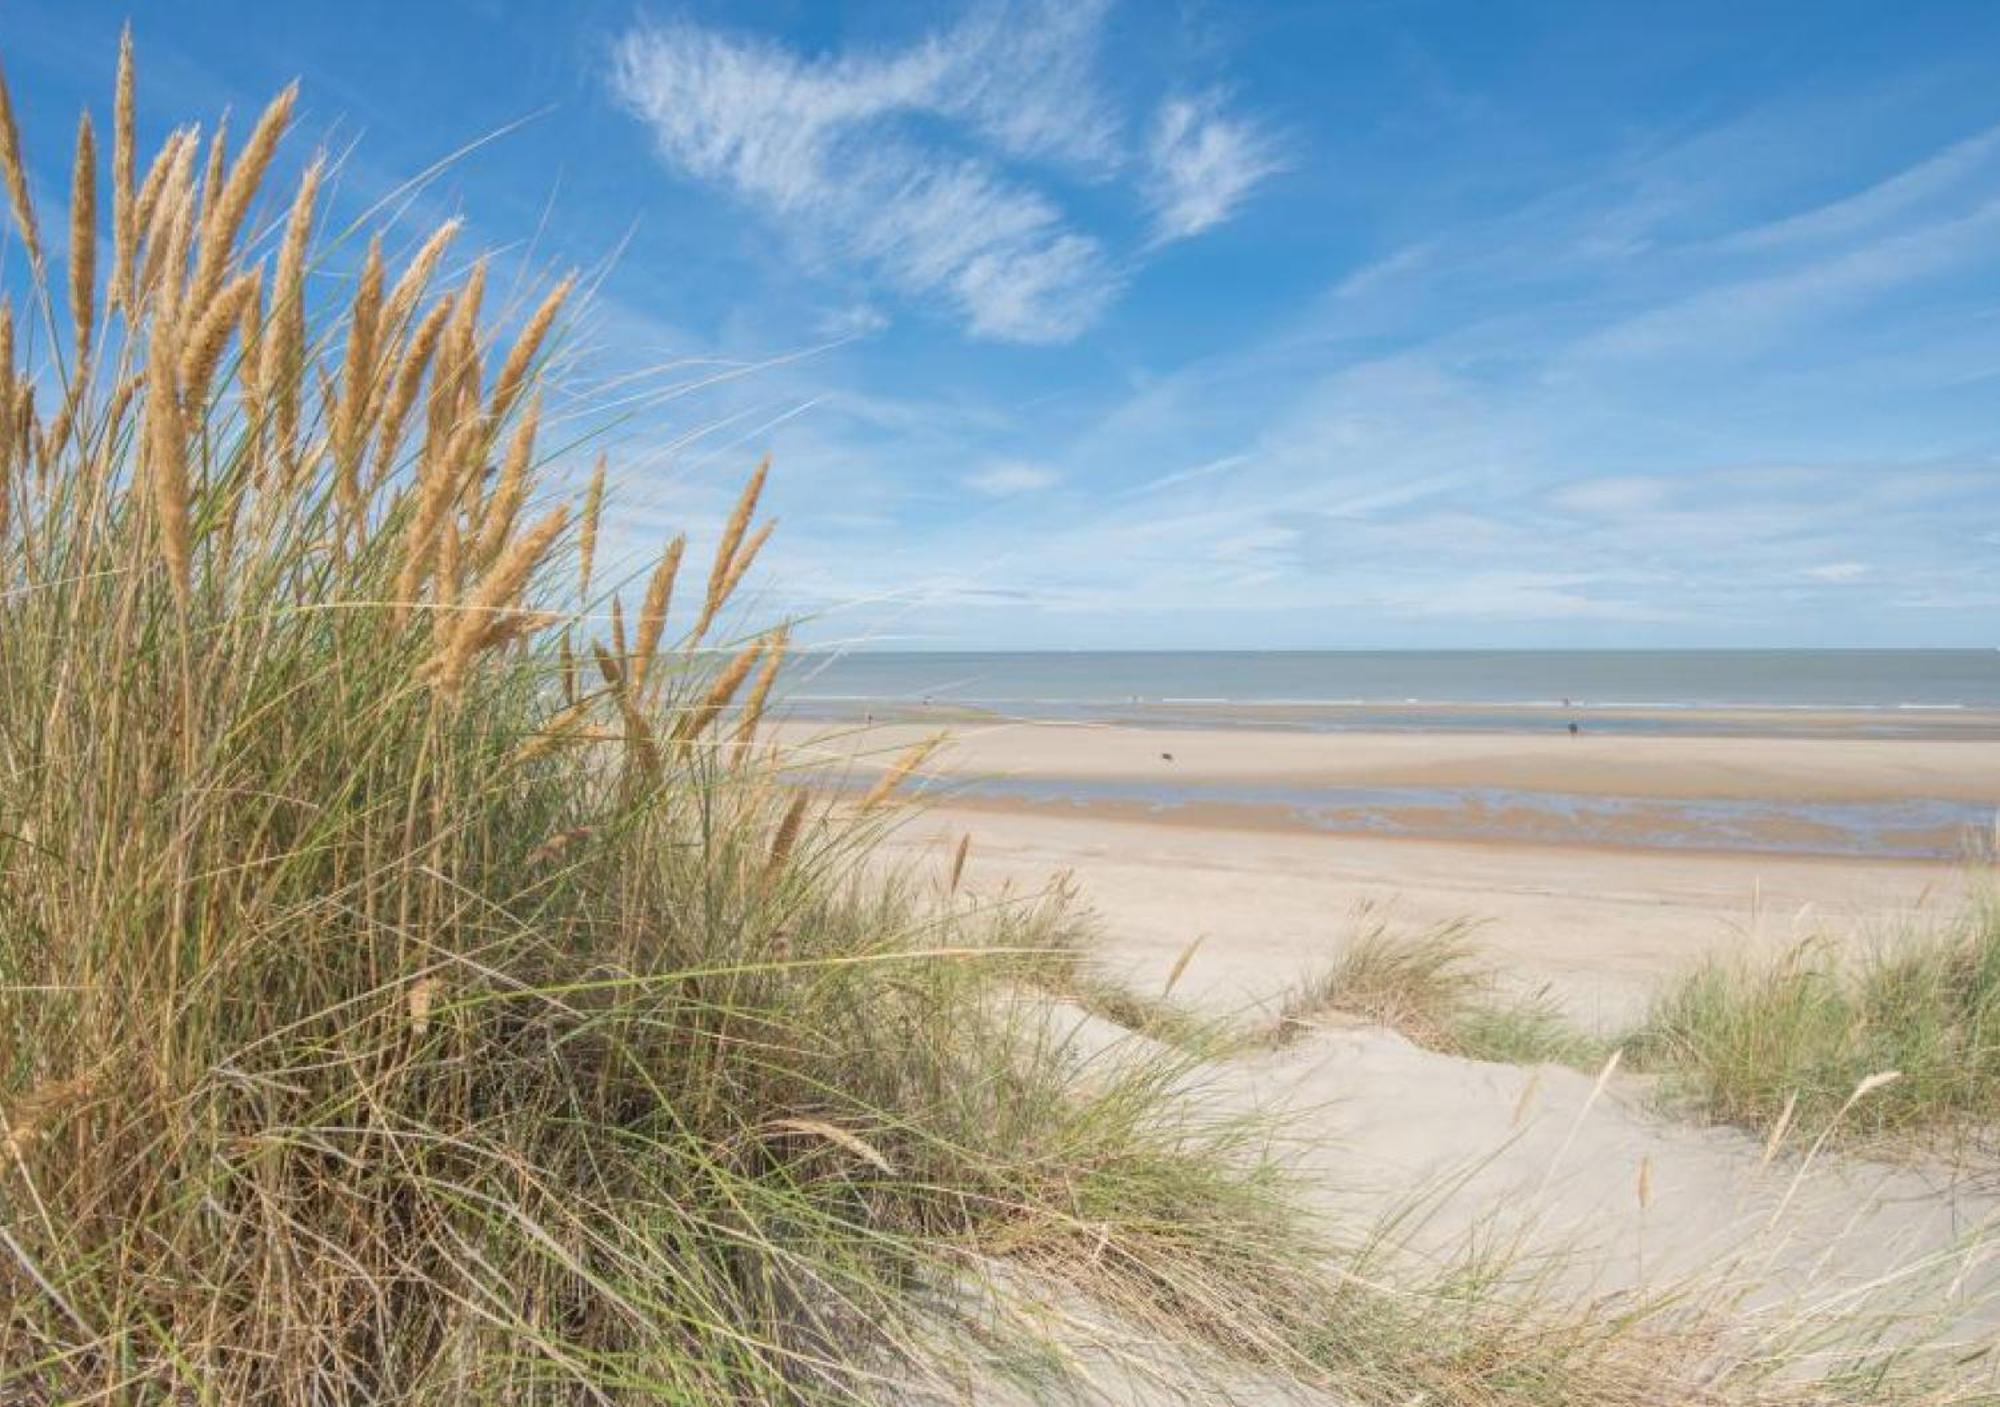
404 995
1783 1045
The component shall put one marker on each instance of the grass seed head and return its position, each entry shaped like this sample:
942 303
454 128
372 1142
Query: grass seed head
521 359
83 243
652 622
14 170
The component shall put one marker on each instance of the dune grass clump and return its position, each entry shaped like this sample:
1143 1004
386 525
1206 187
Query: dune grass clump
1053 937
1791 1041
1433 988
408 991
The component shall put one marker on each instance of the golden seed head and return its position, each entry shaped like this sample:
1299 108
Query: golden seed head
898 773
521 359
225 217
83 241
124 227
593 508
203 348
500 512
653 612
281 355
211 176
406 381
496 592
416 277
164 204
788 834
743 560
350 421
760 692
166 458
695 722
732 538
14 170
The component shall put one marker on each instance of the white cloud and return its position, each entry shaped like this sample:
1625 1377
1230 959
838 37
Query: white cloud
1203 165
1738 317
814 142
1024 77
1616 496
1521 595
854 320
930 163
1012 477
1836 571
1937 174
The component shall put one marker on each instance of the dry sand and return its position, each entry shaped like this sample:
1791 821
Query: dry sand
1604 927
1590 1192
1495 1154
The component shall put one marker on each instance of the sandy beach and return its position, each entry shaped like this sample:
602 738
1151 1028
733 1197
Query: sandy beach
1461 1152
1601 920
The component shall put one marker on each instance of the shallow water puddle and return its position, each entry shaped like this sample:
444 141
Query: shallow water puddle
1918 829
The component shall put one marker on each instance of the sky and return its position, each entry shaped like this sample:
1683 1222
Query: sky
1268 324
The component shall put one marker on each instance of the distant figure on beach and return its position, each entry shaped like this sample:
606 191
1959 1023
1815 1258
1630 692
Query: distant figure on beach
1573 729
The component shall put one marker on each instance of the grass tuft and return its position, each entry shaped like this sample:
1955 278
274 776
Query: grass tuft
1749 1043
1434 988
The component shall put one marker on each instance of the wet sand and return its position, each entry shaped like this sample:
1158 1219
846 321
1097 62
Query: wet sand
1831 768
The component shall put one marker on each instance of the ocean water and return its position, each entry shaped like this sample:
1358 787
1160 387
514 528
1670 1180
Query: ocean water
1879 692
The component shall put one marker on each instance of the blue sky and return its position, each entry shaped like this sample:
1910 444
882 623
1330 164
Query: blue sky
1214 325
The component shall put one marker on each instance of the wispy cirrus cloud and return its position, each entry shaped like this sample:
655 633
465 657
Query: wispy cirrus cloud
1007 479
1204 164
1895 195
809 142
937 166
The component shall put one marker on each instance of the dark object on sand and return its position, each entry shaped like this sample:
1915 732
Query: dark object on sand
1574 730
1166 757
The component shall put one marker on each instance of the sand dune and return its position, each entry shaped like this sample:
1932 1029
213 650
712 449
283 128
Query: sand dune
1593 1192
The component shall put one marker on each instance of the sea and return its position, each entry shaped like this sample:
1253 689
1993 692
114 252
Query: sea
1867 692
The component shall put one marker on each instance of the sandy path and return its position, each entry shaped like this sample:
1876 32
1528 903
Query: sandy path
1592 1193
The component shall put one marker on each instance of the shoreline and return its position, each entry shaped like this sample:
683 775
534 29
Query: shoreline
1595 913
1972 722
